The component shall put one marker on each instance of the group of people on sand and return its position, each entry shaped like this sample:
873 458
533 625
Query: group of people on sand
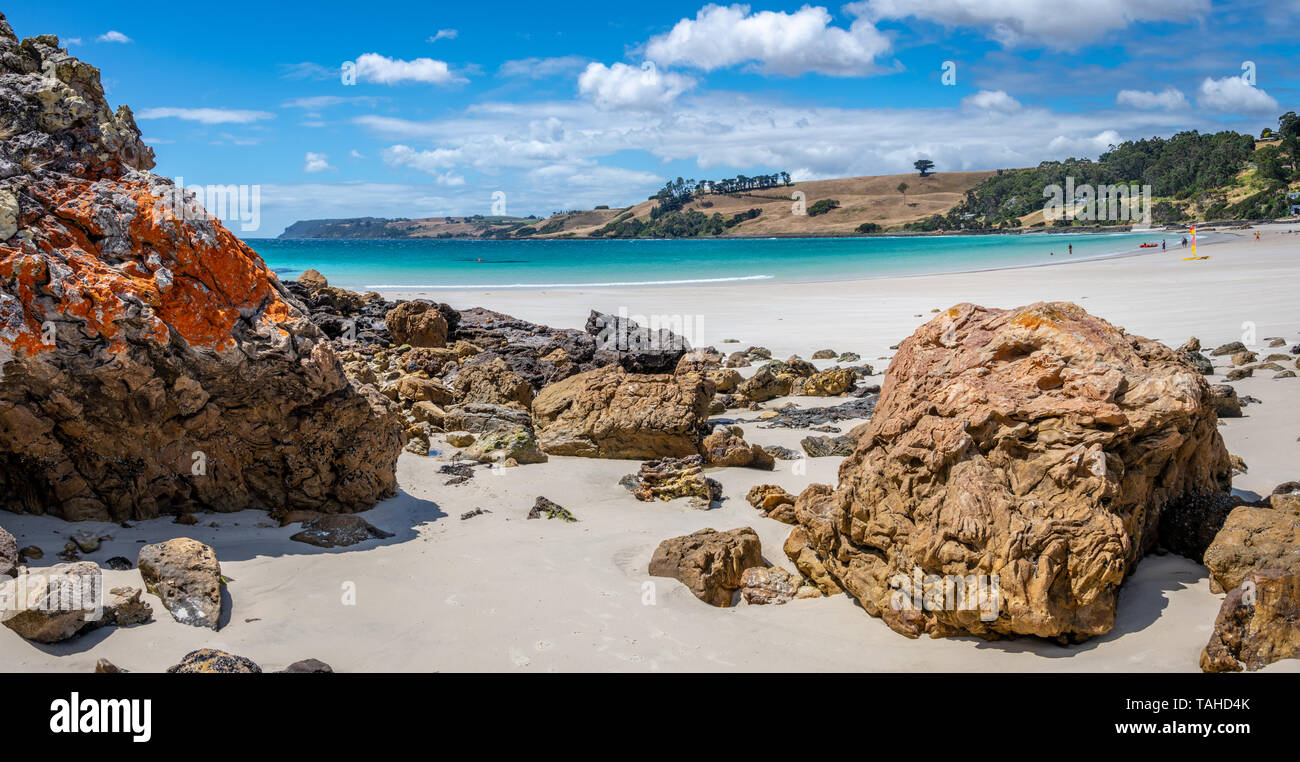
1070 248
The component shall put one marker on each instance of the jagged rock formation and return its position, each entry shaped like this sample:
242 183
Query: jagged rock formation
1039 445
150 363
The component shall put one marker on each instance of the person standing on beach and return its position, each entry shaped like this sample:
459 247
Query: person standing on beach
1071 251
1256 235
1162 244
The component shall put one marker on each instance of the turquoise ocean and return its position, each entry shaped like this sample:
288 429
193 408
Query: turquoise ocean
370 264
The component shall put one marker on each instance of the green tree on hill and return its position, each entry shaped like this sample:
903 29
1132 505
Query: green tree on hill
923 166
902 188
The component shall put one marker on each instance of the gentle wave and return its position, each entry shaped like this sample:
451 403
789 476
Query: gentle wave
391 287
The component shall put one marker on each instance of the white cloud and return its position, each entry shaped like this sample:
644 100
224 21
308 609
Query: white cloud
1233 95
72 41
111 35
429 162
444 34
205 115
542 68
355 154
316 162
1059 24
775 42
1168 99
620 86
1084 147
992 100
372 67
308 70
324 101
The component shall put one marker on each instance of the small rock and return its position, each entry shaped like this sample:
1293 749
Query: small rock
473 513
118 563
106 667
212 661
551 510
824 354
761 585
460 439
308 666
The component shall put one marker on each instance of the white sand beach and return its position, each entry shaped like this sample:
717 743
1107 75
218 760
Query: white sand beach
497 592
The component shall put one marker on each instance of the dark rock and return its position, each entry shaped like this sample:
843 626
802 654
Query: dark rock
308 666
338 530
802 418
822 447
551 510
212 661
637 349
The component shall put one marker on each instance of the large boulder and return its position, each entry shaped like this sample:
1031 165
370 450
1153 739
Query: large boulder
1029 451
150 362
493 383
185 574
726 446
1254 538
610 413
1258 623
419 324
711 563
56 603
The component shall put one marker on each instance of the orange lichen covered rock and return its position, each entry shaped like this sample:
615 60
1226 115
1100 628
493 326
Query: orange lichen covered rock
1013 474
150 362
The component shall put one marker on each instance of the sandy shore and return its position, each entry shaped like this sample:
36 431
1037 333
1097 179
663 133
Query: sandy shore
501 593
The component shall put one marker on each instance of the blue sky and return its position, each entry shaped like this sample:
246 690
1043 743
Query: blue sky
569 105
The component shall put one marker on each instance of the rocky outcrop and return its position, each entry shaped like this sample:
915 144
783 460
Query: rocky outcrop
185 574
610 413
727 447
150 363
1258 623
671 478
1254 538
709 562
1037 447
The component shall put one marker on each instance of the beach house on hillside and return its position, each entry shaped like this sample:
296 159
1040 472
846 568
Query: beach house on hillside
1293 203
